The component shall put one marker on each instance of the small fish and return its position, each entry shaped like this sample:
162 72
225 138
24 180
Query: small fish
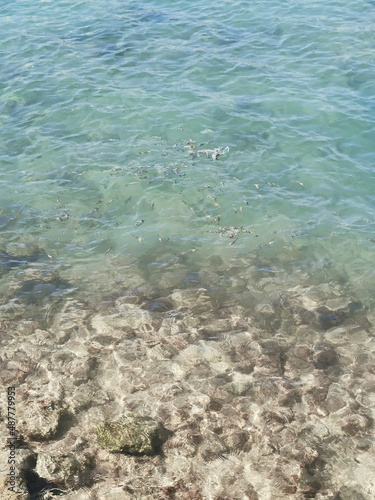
62 216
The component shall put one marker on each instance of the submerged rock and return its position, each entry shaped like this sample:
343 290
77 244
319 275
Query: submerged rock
27 251
8 262
19 254
34 284
195 300
68 469
132 434
157 306
34 291
324 356
329 318
39 419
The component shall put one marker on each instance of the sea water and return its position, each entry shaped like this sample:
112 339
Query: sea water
167 142
99 100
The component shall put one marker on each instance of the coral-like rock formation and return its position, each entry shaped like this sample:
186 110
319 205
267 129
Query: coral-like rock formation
131 434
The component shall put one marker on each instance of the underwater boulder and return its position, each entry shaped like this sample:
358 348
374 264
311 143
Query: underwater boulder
330 318
35 284
19 254
64 467
40 418
131 434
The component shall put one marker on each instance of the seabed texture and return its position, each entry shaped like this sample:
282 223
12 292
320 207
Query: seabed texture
258 388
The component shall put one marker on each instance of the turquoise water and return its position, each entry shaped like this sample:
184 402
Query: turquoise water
99 99
187 203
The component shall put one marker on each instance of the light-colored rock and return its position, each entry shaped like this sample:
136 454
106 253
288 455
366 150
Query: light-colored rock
39 419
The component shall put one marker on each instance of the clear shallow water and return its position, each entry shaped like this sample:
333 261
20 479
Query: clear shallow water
99 99
106 111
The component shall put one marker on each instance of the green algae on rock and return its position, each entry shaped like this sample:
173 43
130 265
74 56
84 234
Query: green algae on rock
132 434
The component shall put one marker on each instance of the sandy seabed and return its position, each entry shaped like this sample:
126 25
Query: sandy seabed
264 384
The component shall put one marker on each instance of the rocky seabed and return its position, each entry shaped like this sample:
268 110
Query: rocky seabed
254 394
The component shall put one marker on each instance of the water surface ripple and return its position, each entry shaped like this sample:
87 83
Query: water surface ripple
161 146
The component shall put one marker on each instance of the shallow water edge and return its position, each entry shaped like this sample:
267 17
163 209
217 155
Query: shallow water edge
264 384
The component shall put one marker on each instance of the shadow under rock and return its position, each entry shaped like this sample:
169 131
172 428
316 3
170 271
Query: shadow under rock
66 422
37 486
